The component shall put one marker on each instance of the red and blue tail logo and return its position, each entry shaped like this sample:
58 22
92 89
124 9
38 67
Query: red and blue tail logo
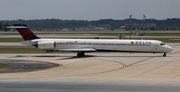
25 32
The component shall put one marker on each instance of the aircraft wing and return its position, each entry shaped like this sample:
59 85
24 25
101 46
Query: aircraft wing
79 50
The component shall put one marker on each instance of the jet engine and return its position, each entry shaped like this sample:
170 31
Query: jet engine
46 45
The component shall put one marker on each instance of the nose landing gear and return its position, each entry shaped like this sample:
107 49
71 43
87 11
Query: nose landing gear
164 55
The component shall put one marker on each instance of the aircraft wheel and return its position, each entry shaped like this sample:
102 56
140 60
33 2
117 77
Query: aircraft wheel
80 54
164 55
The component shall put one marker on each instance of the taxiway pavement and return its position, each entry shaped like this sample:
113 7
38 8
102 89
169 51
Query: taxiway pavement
127 72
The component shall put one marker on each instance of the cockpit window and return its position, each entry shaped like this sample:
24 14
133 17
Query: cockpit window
162 43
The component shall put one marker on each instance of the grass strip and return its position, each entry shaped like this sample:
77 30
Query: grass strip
11 39
167 40
2 66
21 50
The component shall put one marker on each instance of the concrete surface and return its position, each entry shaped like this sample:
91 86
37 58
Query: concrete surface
151 72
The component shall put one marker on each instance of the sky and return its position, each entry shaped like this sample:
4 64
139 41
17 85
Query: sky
88 9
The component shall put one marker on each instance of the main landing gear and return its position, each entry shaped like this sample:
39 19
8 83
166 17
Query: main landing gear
80 54
164 55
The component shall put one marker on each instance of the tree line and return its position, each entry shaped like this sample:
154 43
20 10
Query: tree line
166 24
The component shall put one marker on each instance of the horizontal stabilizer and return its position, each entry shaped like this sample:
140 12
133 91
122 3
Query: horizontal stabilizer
14 27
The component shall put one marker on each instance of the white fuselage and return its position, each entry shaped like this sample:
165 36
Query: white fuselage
87 45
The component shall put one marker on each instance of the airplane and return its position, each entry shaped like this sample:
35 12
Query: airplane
81 46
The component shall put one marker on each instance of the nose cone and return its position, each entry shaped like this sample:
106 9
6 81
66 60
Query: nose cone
168 48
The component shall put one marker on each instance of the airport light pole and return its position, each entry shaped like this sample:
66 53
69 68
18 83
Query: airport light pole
130 26
144 24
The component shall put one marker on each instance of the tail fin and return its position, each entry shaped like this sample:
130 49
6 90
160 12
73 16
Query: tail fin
25 31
